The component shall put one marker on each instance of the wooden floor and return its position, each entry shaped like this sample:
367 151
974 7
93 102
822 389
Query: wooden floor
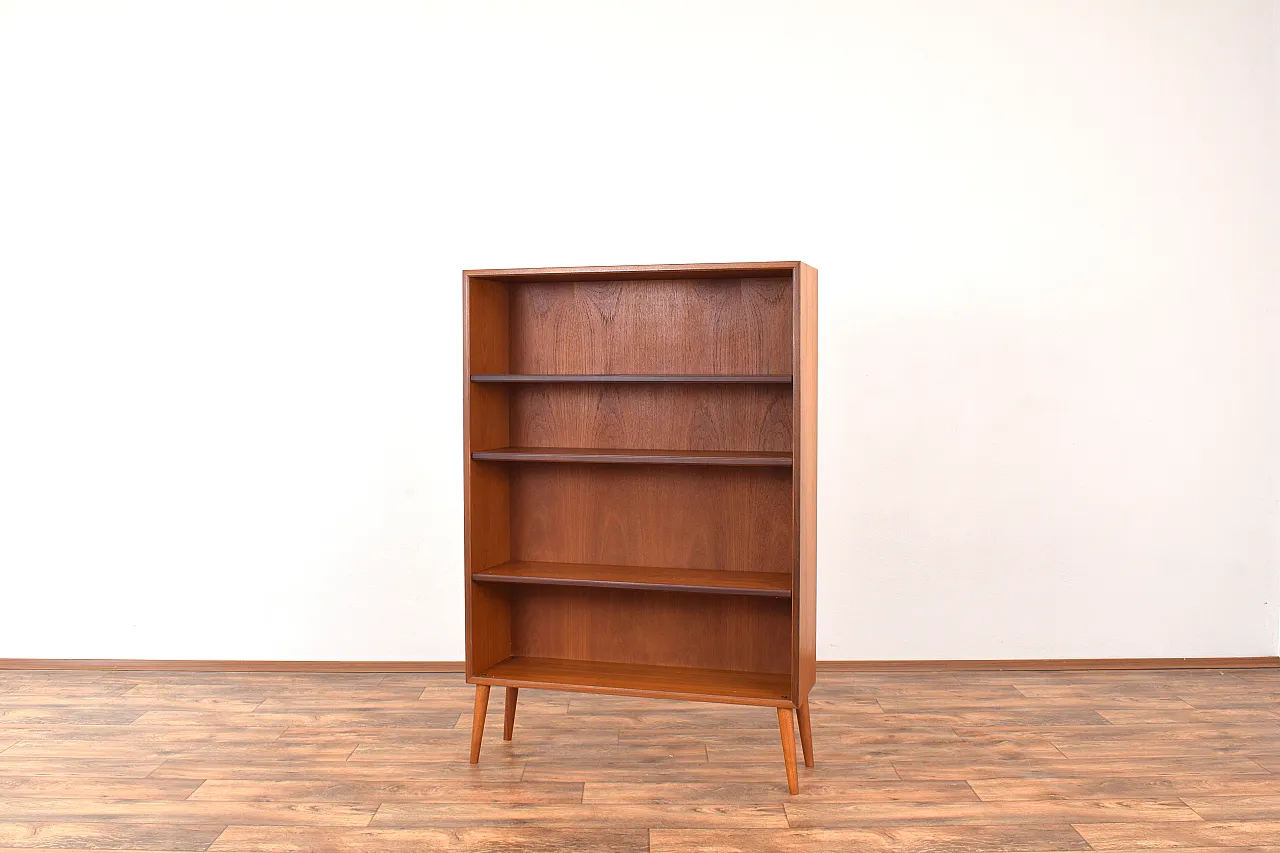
913 762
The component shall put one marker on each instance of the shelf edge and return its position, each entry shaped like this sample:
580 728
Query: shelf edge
624 457
534 580
636 378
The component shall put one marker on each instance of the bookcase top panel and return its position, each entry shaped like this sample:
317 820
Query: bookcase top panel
782 269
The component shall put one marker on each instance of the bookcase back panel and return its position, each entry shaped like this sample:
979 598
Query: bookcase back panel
746 634
694 517
730 325
653 416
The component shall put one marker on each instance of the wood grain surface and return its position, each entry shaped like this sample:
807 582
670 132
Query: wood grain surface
658 628
679 516
804 488
944 761
653 417
725 326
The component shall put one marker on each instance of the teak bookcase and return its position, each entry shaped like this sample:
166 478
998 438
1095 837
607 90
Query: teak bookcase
641 455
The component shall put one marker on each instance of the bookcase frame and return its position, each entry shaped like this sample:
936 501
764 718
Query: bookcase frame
640 485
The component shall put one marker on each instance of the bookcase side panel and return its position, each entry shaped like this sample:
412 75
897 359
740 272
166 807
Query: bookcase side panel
805 474
487 509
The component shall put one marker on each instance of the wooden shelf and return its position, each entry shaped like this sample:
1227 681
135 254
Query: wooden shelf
771 584
547 275
711 378
741 458
629 679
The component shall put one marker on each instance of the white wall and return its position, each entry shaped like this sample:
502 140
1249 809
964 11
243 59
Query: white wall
230 244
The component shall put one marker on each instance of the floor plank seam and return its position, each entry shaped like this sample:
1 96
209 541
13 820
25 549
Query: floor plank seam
1083 840
1183 800
214 841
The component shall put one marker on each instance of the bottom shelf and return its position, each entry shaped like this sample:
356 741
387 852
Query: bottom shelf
629 679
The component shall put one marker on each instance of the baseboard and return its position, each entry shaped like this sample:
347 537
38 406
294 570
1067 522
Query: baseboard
1048 665
236 665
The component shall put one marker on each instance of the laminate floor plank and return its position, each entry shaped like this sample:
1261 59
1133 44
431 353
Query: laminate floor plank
502 839
1125 836
966 839
337 771
1104 751
153 812
959 752
942 769
406 744
80 787
344 704
438 738
1135 733
140 734
1176 716
996 716
537 749
457 790
161 751
760 770
77 715
906 739
766 793
648 816
971 762
1135 787
964 702
987 814
107 836
1246 807
426 719
124 768
22 702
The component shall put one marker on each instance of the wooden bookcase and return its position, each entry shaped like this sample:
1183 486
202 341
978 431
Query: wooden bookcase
641 452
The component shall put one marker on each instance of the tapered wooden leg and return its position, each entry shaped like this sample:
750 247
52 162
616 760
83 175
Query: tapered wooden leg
787 725
806 733
509 713
477 721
